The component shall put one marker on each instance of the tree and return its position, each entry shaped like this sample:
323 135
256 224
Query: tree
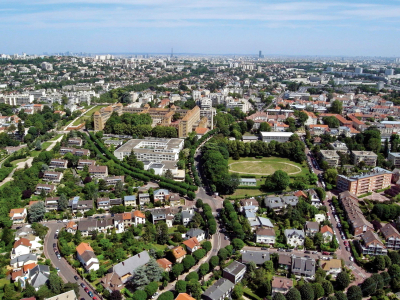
151 288
153 270
223 254
207 246
199 254
180 286
29 290
337 107
139 295
378 280
177 270
199 203
379 262
115 295
330 175
237 244
237 292
36 212
342 280
340 295
277 181
139 279
328 287
166 296
308 243
279 296
56 285
214 261
368 287
354 293
318 290
204 269
293 294
78 238
169 175
188 262
192 276
306 292
63 202
194 288
264 126
162 233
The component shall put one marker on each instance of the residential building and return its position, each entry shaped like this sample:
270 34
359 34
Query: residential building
338 146
355 218
219 290
331 157
187 216
58 163
74 151
158 214
47 188
265 236
248 181
277 203
80 206
71 227
70 295
303 267
103 203
327 233
249 204
85 162
54 177
275 136
284 261
368 157
86 256
18 215
113 180
130 200
161 195
138 217
165 264
51 203
332 267
234 272
192 244
258 257
125 269
364 183
21 247
39 276
22 260
294 237
392 237
371 244
98 171
394 158
184 296
195 232
144 198
281 285
311 228
75 142
178 253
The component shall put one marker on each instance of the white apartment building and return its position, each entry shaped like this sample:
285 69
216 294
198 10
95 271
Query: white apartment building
47 66
18 99
243 104
275 136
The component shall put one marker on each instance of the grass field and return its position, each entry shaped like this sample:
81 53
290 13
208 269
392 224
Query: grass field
265 166
241 193
56 137
46 145
87 115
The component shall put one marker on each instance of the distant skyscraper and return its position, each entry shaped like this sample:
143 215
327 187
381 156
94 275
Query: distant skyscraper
172 52
260 54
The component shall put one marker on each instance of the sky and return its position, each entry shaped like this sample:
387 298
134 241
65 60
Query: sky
336 28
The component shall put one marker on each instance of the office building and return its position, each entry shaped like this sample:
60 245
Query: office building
389 72
365 183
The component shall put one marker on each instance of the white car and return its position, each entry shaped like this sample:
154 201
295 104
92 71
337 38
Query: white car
351 258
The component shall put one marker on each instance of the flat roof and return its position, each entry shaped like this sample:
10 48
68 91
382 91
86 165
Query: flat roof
266 133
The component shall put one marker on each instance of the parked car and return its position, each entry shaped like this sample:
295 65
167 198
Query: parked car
54 245
90 293
76 277
289 250
351 258
307 256
325 252
264 248
83 285
307 251
315 252
281 250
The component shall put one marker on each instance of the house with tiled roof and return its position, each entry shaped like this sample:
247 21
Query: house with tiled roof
71 227
138 217
22 260
265 236
281 285
371 244
327 233
184 296
192 244
332 267
165 264
392 237
86 256
178 253
18 215
21 247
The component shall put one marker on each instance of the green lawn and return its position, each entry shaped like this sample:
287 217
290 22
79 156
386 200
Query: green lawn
15 162
266 166
46 145
239 193
87 115
35 153
56 137
4 281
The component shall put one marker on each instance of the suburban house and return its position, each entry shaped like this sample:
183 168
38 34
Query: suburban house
184 296
178 253
51 203
234 272
327 233
125 269
285 261
113 180
197 233
22 260
187 216
130 200
144 198
138 217
258 257
159 214
18 215
392 237
281 285
98 171
277 203
86 256
312 228
161 195
58 164
47 188
294 237
21 247
103 203
265 236
165 264
303 267
71 227
249 204
175 199
80 206
371 244
219 290
75 142
39 276
52 176
85 162
192 244
332 267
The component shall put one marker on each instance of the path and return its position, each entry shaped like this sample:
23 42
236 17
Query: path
53 143
82 114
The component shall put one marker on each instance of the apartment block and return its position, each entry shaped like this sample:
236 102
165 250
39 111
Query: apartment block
368 157
392 237
394 158
275 136
364 183
331 157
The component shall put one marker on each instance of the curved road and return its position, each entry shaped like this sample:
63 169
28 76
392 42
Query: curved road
66 272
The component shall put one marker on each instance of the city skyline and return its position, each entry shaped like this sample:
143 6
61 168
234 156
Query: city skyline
334 28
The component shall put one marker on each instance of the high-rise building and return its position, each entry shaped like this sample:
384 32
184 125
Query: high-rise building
259 54
389 72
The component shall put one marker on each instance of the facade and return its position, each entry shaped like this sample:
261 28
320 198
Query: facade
192 244
327 233
18 215
394 158
85 162
368 157
47 188
265 236
331 157
311 228
392 237
52 176
275 136
130 200
86 256
18 99
294 237
196 232
234 272
178 253
364 183
303 267
58 163
98 171
371 244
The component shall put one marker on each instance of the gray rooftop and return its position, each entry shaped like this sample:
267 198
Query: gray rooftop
234 268
131 264
218 289
258 257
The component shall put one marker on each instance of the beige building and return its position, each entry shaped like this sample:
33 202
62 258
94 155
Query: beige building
394 158
368 157
331 157
364 183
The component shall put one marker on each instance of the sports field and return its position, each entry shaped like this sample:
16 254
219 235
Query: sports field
265 166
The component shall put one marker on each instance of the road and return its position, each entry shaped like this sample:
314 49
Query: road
66 272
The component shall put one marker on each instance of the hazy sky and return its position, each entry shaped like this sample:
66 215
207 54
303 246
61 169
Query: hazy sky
355 27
